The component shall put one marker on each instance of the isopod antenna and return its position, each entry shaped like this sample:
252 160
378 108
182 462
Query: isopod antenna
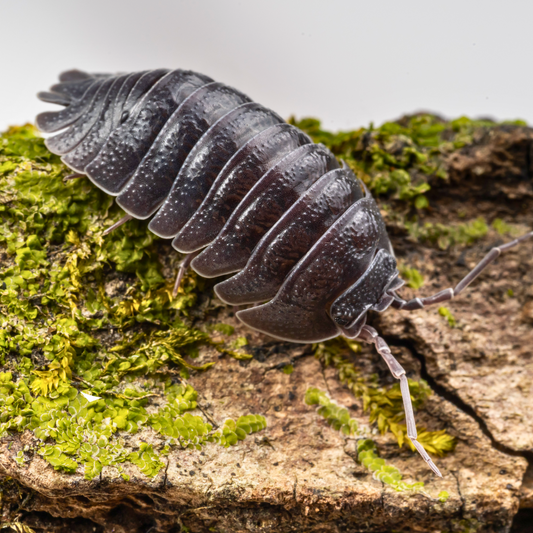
449 294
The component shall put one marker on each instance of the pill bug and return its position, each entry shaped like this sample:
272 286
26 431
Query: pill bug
244 193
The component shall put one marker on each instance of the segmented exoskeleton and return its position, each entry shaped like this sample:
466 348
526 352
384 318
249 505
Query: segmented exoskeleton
243 192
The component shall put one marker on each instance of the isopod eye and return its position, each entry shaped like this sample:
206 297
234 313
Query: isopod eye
125 116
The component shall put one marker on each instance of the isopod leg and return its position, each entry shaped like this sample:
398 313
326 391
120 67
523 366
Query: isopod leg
448 294
370 335
123 220
74 176
184 266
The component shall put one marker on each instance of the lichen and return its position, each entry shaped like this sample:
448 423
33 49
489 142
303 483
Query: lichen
67 330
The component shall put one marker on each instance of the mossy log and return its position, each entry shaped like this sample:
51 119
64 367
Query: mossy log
206 426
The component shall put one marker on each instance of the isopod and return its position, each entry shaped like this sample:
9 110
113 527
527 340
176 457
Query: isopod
241 192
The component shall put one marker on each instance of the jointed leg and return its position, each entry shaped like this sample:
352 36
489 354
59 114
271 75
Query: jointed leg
74 176
370 335
184 266
448 294
123 220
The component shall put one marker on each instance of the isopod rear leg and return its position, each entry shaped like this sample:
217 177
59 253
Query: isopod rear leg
370 335
123 220
448 294
184 266
73 176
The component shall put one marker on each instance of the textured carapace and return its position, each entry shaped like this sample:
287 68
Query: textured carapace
228 179
242 192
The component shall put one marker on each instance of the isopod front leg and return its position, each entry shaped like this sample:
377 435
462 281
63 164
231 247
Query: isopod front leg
448 294
370 335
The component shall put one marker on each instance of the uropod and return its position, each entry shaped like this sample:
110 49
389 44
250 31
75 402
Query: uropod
241 192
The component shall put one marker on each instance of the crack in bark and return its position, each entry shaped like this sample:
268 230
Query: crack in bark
455 399
166 473
463 503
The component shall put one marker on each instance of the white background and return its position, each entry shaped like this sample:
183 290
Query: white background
346 62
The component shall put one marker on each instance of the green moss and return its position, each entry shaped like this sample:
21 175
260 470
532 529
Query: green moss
235 349
57 304
368 456
288 369
464 525
147 461
225 329
447 314
56 263
412 276
505 229
443 496
233 431
337 417
445 236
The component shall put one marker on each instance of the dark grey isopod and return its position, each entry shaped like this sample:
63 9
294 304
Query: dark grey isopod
228 180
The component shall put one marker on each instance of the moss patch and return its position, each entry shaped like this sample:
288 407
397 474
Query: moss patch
67 330
399 160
